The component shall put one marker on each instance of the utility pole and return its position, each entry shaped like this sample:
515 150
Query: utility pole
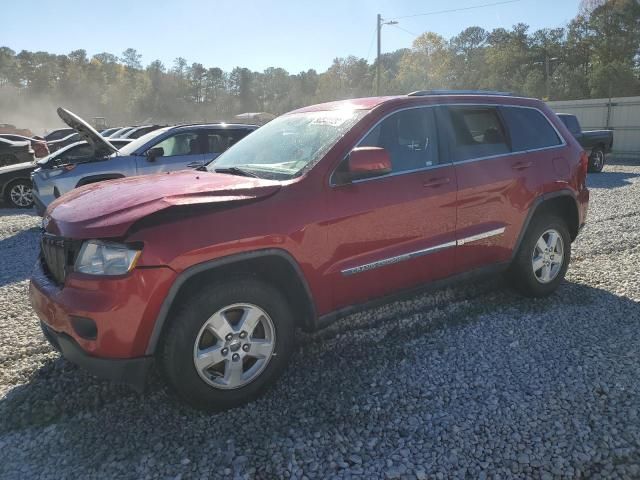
546 75
379 24
378 69
547 72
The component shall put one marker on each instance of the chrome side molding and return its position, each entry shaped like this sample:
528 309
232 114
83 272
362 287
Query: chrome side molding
481 236
420 253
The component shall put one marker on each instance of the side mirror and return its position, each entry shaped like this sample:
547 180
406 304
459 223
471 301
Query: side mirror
367 162
154 153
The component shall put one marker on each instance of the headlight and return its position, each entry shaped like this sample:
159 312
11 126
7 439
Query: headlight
106 258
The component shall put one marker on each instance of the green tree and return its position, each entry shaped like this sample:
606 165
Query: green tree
427 65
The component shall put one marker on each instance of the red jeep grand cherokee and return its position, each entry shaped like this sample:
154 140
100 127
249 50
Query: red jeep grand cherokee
207 273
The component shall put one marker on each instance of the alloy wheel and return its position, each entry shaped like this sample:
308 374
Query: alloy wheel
20 195
598 159
548 256
234 346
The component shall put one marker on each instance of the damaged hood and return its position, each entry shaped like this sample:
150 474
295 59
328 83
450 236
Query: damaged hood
108 209
100 145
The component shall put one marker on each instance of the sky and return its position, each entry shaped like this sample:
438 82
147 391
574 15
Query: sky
293 34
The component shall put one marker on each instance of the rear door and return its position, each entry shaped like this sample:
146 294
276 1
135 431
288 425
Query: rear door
491 186
398 230
179 149
499 157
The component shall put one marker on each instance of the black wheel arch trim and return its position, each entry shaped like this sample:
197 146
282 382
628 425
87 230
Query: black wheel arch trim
98 178
534 207
212 265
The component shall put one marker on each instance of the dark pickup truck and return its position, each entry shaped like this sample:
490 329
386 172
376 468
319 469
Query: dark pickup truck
596 142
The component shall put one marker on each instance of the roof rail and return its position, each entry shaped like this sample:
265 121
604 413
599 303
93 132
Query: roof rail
423 93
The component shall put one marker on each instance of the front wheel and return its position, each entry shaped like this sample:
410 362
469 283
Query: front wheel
19 194
227 344
543 258
596 160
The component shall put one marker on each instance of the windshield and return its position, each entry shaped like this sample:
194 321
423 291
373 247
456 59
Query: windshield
288 145
130 148
67 154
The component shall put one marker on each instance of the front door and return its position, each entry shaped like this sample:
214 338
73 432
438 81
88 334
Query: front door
178 151
398 230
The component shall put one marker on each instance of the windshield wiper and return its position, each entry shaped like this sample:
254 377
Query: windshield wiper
235 171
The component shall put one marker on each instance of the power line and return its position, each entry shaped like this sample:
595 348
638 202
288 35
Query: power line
437 12
405 30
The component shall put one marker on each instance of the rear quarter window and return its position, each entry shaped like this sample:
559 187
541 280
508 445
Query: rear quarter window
529 129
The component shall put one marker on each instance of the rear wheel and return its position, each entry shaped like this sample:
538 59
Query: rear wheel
543 258
596 160
19 194
227 343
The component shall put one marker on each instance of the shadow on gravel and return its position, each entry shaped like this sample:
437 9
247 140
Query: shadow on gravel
19 253
8 211
632 162
610 179
333 375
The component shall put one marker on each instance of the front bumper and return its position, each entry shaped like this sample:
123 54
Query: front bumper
38 205
124 309
132 371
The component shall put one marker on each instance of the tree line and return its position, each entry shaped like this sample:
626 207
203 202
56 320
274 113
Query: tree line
597 54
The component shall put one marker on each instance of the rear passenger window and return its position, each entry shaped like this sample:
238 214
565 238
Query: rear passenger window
529 129
220 140
477 132
216 143
410 137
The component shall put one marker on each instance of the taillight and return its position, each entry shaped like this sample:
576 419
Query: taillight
584 168
584 162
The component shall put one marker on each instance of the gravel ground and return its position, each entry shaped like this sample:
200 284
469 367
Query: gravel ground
469 382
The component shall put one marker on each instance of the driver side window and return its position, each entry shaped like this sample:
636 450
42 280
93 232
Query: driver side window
410 138
184 143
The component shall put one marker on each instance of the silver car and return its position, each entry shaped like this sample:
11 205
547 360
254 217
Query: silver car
162 150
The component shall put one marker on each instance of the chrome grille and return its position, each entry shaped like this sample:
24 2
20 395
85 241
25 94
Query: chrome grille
55 257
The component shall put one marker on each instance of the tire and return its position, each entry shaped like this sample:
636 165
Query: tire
215 387
7 159
18 194
525 277
596 160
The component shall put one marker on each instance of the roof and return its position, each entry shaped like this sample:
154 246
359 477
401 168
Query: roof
216 125
421 97
365 103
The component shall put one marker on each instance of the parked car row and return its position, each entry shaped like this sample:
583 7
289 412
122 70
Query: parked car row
207 274
12 152
86 156
39 146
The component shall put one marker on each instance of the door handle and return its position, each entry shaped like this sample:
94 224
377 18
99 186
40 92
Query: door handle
522 165
436 182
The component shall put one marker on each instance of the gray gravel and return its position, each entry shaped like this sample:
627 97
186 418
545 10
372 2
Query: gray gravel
469 382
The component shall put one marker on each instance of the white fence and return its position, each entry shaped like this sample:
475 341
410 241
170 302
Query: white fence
622 115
